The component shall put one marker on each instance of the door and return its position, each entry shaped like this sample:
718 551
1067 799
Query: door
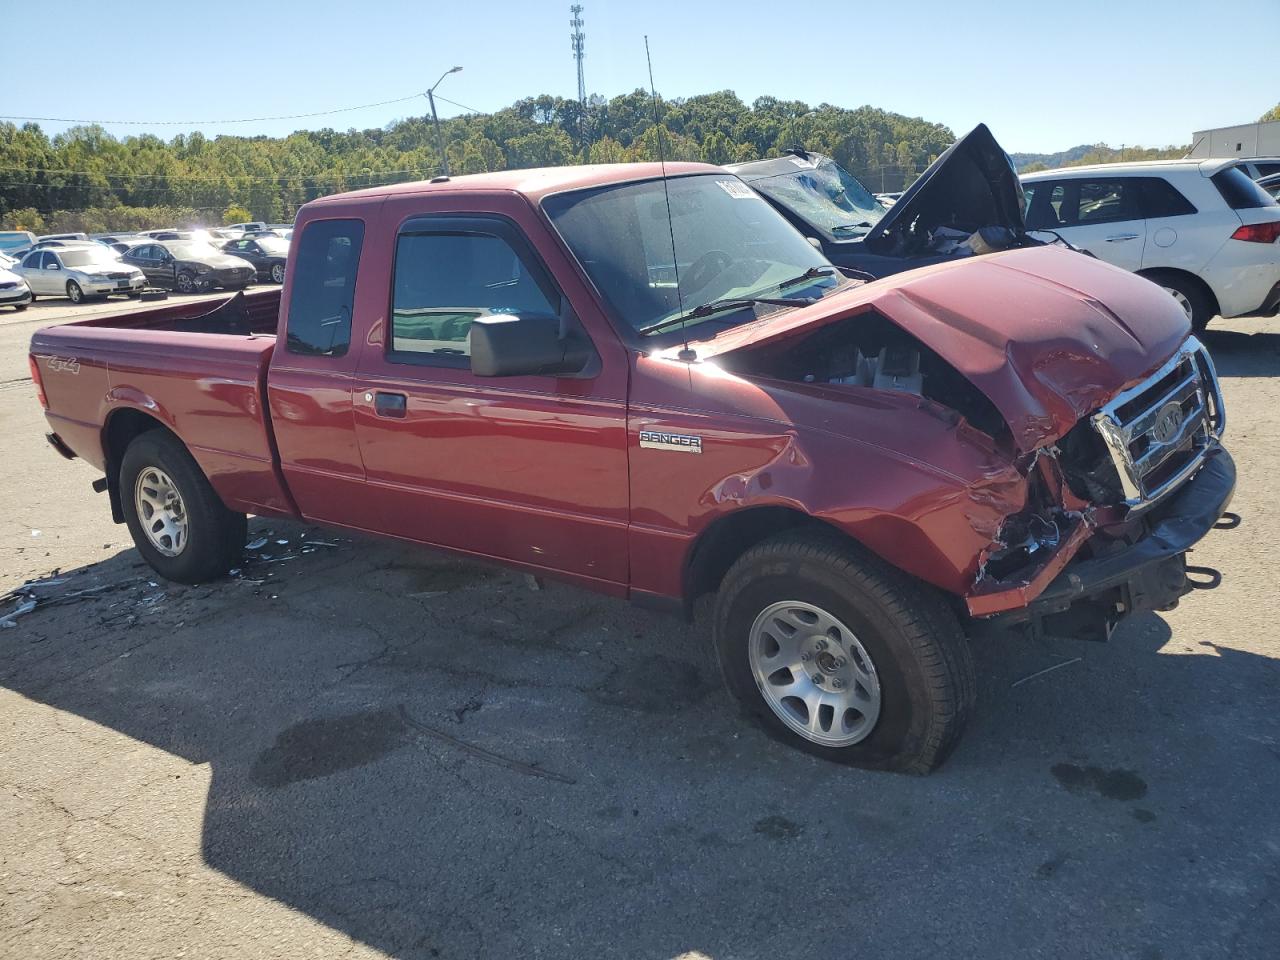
525 469
34 273
1179 235
147 259
1103 216
309 381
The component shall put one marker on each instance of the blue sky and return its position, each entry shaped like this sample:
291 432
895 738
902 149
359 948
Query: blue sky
1043 76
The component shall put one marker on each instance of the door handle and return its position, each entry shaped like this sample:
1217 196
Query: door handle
1122 236
390 405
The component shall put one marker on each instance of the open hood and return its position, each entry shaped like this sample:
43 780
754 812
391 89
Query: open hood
973 184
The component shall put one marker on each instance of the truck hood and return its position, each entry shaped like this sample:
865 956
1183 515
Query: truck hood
973 183
1047 334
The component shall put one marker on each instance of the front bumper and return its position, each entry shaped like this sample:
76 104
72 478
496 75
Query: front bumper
1090 596
106 287
15 297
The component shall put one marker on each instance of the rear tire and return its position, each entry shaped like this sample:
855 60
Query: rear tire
277 273
892 642
211 538
1190 296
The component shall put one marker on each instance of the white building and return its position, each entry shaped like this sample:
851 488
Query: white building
1246 140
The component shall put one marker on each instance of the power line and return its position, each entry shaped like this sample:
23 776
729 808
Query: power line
181 123
462 106
185 178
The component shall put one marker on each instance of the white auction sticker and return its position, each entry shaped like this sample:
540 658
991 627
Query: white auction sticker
736 189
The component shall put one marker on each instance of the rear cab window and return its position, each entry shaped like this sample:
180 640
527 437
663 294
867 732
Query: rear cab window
1239 191
323 291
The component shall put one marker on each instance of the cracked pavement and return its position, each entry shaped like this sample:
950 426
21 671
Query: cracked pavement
377 751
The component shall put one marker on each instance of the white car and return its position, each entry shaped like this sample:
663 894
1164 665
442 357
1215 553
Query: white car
1200 228
89 270
14 291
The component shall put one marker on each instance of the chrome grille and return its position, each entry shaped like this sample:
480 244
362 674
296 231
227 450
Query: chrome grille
1159 431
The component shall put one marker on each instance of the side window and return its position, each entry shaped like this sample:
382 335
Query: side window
32 260
1044 206
324 284
444 281
1267 169
1160 198
1105 201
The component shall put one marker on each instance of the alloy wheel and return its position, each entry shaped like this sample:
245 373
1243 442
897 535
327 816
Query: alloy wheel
161 513
814 673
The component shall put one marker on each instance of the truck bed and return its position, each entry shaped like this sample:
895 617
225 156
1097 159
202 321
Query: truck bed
241 314
198 368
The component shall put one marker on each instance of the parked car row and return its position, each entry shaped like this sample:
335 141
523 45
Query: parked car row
1202 229
79 267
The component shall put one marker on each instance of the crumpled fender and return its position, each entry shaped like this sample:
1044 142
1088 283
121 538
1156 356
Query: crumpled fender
900 474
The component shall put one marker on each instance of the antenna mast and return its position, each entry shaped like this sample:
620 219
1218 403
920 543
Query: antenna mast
686 354
578 41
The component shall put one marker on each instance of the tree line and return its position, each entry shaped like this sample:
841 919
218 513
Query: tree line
86 179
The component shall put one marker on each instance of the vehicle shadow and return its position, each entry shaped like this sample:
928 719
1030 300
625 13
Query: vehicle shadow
440 761
1239 354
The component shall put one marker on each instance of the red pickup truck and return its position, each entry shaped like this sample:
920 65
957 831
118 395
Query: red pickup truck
652 386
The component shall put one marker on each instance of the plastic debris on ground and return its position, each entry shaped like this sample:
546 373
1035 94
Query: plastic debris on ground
131 596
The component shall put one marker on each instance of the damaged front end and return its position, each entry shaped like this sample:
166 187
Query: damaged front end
1114 506
1091 524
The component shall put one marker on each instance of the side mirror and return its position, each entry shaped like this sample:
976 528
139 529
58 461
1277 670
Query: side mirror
52 266
512 346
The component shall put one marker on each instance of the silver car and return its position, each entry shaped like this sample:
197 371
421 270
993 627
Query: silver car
13 289
79 272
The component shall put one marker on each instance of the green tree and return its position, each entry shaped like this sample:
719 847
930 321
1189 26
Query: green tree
1272 114
235 213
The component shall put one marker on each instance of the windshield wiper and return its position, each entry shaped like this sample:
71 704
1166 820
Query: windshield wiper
849 227
813 273
729 303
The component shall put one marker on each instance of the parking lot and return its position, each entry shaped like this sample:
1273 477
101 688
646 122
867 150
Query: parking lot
358 749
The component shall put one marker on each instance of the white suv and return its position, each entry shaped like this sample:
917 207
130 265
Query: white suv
1200 228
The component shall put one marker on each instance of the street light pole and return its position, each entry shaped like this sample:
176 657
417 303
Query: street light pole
444 157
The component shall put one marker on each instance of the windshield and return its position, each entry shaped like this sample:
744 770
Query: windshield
823 193
729 243
190 249
273 245
88 257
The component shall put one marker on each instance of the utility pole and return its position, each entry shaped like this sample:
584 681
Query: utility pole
578 40
444 157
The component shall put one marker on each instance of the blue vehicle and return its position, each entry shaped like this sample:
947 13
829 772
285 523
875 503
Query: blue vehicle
15 240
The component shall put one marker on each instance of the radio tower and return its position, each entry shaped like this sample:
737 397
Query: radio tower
578 40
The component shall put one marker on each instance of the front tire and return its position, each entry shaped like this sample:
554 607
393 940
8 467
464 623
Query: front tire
834 652
277 273
74 293
185 283
178 523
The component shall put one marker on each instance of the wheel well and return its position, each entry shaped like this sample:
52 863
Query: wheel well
122 428
1155 273
726 539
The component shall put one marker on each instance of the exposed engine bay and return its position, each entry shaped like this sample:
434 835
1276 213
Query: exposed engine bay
869 350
